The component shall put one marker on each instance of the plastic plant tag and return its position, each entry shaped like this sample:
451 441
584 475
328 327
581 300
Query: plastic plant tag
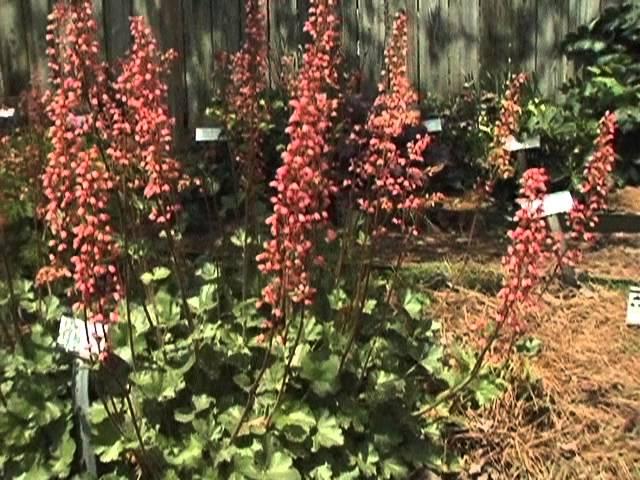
72 337
208 134
555 203
633 307
552 204
7 112
433 125
513 145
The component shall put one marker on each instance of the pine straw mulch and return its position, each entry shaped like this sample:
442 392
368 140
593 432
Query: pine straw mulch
573 411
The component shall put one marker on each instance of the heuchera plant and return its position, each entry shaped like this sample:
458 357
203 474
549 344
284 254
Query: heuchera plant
245 92
597 181
507 125
77 183
532 246
388 179
141 114
303 188
111 141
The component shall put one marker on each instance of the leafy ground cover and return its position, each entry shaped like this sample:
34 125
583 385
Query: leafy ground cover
295 302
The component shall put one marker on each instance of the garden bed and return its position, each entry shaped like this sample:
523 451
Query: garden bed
573 408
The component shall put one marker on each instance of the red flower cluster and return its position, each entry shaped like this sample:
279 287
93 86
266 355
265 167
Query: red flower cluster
248 83
303 187
532 246
76 183
141 113
507 125
597 184
385 177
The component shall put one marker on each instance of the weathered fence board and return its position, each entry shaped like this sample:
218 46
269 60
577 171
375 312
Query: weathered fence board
551 67
285 34
116 26
371 20
14 54
348 13
198 56
463 50
36 41
433 32
450 41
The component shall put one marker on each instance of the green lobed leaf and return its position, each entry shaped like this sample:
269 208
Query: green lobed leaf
328 434
322 372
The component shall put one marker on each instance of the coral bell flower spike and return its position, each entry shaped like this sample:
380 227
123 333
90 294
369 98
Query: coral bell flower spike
142 91
597 181
248 83
387 178
302 185
529 252
76 184
507 126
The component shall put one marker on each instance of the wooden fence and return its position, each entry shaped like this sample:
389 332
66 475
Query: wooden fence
451 40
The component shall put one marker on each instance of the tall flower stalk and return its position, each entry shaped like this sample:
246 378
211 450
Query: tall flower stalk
77 185
302 185
387 178
597 182
248 118
507 125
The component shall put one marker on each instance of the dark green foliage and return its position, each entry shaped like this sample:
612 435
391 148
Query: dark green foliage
607 55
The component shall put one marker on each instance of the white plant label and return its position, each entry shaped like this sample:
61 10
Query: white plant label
552 204
513 145
208 134
433 125
72 336
633 307
7 112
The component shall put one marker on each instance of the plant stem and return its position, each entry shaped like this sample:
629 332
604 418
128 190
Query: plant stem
179 279
253 390
356 323
287 369
453 391
15 307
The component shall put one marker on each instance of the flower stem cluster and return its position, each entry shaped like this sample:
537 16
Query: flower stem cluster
597 183
499 160
244 93
532 246
302 185
141 113
386 176
77 185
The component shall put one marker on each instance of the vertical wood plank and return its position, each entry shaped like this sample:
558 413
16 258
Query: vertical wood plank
582 12
98 13
463 51
37 12
283 26
198 54
14 54
551 65
371 33
227 21
117 37
523 32
349 19
166 20
414 44
434 32
494 42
